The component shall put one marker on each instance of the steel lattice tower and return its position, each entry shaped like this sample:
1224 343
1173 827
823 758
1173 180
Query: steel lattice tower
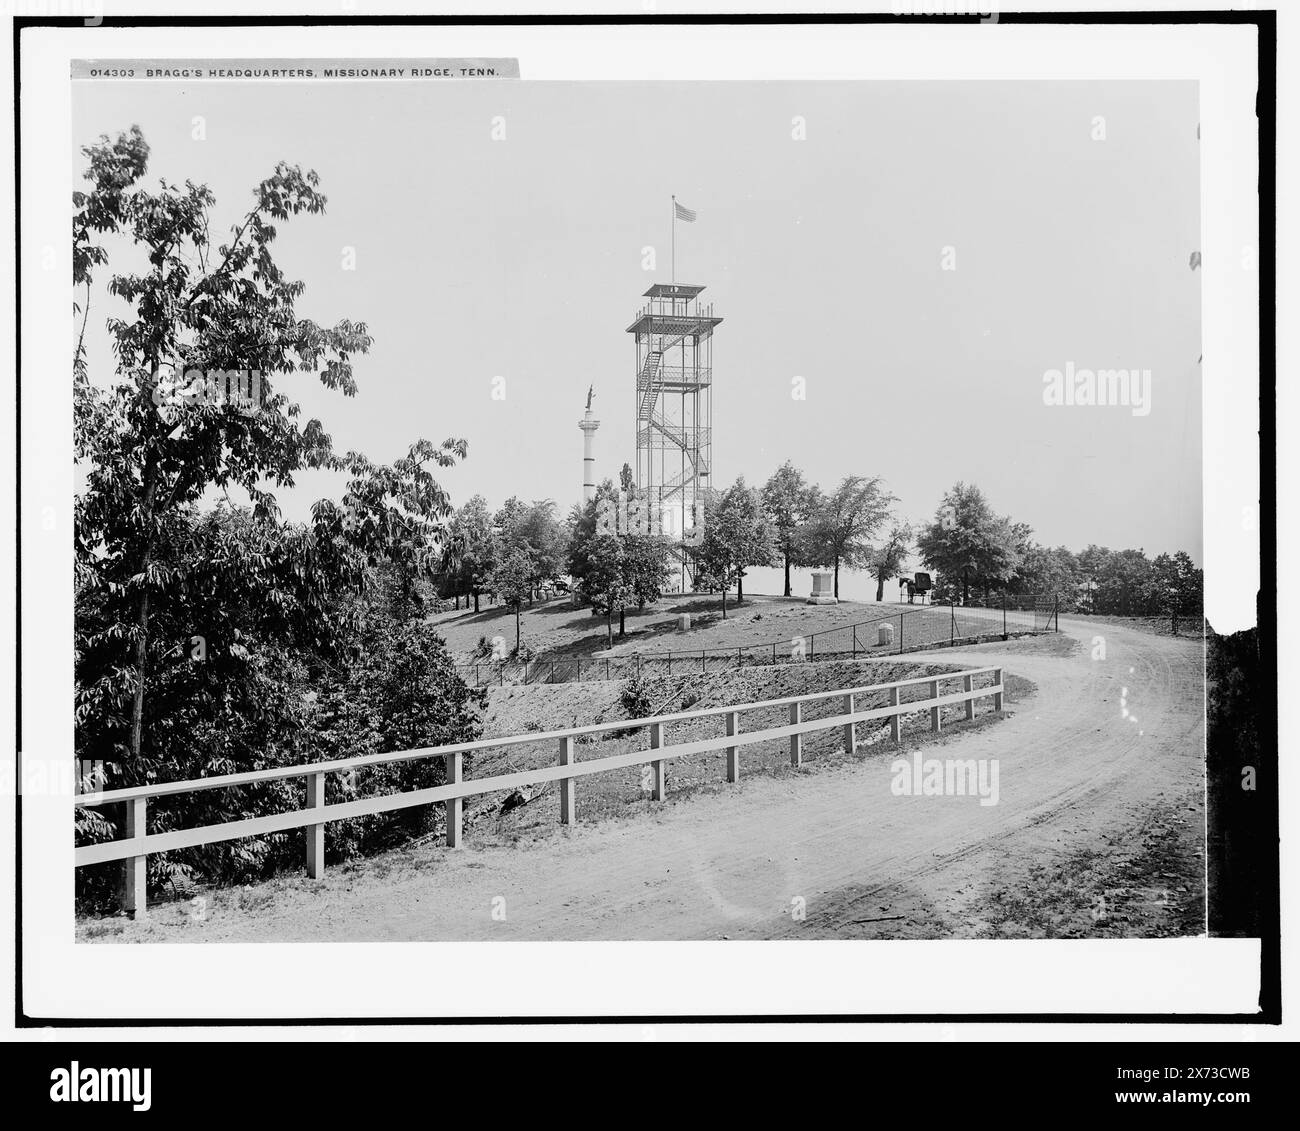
674 404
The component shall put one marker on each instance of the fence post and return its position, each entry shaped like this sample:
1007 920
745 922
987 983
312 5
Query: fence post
135 872
476 675
670 661
455 805
952 627
934 711
855 641
701 661
1056 610
607 667
968 685
566 784
900 634
1004 616
316 833
850 741
796 740
774 652
997 682
733 752
896 719
660 765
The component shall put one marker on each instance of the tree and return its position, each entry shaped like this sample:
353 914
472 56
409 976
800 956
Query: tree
967 540
790 503
1043 569
1182 584
613 564
887 560
845 522
737 536
512 580
474 543
170 424
534 526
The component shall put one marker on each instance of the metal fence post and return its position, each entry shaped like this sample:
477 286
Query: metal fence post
900 634
796 740
135 872
952 627
566 784
733 752
1004 616
455 805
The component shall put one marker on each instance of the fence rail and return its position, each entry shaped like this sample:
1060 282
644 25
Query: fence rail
911 630
138 844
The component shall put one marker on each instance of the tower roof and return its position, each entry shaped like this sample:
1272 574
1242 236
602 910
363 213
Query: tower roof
673 290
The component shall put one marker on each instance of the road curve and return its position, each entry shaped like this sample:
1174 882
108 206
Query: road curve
1104 741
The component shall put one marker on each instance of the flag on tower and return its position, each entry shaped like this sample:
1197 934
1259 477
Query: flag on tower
683 213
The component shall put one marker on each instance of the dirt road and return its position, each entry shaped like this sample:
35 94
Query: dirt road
834 852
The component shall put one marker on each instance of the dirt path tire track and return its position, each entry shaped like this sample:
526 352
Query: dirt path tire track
1073 772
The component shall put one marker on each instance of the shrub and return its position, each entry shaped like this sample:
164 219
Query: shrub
635 699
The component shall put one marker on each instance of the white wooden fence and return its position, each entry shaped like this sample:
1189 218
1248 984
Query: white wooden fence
135 846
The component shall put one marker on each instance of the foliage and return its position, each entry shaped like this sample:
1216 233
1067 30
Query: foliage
968 542
737 536
614 566
845 523
152 443
471 550
790 503
887 559
635 698
207 635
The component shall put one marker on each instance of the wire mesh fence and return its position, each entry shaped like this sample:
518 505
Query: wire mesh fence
908 630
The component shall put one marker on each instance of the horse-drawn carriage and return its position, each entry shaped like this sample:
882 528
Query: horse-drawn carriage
918 585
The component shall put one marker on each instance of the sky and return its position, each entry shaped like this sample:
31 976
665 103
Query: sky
522 258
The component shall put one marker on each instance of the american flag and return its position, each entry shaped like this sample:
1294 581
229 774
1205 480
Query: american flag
683 213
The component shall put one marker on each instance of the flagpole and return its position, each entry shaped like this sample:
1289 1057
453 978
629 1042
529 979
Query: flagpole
674 262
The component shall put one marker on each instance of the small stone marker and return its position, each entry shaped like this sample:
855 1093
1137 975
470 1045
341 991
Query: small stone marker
683 622
885 634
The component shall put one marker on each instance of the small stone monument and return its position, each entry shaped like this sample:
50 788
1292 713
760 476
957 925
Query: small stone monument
683 622
823 589
885 634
